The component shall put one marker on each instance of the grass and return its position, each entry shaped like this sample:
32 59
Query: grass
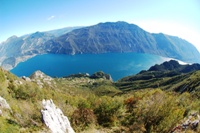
100 104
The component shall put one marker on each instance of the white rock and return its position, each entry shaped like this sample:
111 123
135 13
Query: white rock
0 113
3 103
26 78
54 118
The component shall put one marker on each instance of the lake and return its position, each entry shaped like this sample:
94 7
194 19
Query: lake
118 65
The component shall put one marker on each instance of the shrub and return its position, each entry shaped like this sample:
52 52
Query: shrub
83 116
130 103
159 112
8 126
107 111
2 77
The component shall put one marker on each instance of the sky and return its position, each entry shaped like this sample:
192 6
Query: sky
173 17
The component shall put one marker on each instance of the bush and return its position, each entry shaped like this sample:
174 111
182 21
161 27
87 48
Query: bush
2 77
158 111
107 111
130 104
8 126
83 117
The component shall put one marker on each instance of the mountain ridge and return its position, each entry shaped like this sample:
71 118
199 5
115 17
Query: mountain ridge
122 37
105 37
16 49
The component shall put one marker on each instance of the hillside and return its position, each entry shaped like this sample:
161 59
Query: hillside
121 37
17 49
167 76
109 37
96 104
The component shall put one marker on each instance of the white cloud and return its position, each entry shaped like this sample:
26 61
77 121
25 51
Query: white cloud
50 18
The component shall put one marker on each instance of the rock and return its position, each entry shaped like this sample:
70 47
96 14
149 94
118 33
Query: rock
38 75
54 118
101 75
26 78
0 113
79 75
191 123
40 78
4 104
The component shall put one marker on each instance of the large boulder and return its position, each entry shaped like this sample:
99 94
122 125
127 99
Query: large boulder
54 118
4 105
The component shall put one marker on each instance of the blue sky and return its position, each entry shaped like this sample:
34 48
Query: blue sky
174 17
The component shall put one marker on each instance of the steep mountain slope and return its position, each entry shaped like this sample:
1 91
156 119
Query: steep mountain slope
167 76
16 49
101 38
121 37
62 31
174 47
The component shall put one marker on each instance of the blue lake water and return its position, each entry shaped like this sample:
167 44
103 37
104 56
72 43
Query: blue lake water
118 65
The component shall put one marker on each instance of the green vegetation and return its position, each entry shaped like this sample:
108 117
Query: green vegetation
98 104
169 76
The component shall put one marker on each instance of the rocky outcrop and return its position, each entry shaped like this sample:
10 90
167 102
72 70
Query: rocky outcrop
54 118
190 123
79 75
102 75
26 78
96 75
3 105
40 78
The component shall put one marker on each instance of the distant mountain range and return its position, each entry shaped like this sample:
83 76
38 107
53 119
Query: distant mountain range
106 37
16 49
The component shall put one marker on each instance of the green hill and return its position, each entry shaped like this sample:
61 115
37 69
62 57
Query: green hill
166 76
96 104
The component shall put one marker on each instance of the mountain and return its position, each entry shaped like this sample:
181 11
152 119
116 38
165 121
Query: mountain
121 37
16 49
173 65
62 31
167 76
109 37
